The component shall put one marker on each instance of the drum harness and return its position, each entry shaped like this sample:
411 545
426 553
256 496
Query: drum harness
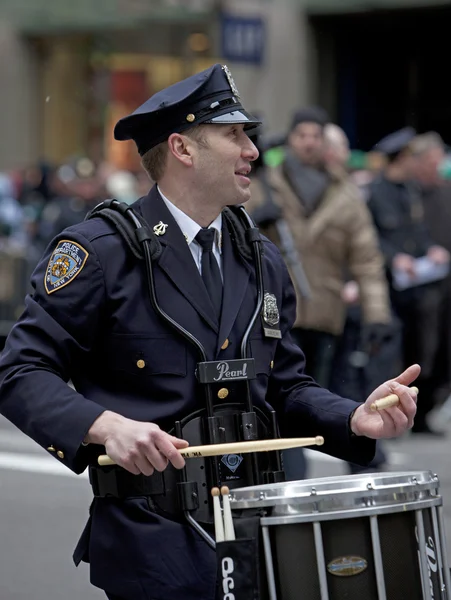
144 244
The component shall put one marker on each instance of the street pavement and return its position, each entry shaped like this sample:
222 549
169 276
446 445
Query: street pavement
43 508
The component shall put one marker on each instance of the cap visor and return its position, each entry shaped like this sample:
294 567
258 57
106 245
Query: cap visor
236 117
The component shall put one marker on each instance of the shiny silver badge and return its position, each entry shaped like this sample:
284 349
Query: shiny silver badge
232 83
160 228
270 311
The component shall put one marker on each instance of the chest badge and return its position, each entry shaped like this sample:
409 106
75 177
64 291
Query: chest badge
271 317
160 228
270 311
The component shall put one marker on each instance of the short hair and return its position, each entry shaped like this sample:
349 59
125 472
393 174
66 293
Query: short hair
427 141
154 160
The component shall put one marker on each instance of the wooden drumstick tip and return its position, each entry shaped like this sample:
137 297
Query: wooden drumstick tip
319 440
229 530
218 519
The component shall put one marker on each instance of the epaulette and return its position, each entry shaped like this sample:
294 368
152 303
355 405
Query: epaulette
125 219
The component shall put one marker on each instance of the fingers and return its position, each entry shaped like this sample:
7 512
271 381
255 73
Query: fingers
407 401
167 446
145 448
408 376
398 419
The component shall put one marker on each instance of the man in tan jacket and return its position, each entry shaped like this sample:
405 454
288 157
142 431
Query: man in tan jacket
333 234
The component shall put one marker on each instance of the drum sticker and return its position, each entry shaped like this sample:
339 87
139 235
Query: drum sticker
66 262
271 317
347 566
232 461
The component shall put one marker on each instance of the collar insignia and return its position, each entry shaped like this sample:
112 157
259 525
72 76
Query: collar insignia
160 228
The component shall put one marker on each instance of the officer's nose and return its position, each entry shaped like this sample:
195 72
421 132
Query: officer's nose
250 151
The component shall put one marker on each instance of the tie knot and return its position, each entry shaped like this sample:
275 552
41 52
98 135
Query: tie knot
205 239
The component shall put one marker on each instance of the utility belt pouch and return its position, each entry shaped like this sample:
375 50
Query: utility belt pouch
239 564
114 482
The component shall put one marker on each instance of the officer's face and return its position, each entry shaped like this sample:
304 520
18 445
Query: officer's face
307 142
224 162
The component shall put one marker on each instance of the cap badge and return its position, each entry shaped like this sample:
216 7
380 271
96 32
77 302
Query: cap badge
232 83
190 118
160 228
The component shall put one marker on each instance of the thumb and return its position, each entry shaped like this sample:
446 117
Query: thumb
408 376
178 443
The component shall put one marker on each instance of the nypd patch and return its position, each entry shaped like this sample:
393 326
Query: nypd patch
66 262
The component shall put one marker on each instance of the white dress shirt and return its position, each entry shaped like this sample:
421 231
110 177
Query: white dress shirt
190 229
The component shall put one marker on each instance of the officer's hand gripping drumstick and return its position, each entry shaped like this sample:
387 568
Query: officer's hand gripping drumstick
229 531
237 448
388 401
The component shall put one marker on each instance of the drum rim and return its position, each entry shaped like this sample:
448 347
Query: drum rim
407 485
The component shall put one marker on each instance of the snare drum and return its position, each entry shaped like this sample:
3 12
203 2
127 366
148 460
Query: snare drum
378 536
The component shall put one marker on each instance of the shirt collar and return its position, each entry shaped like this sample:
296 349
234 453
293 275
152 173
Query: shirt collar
189 227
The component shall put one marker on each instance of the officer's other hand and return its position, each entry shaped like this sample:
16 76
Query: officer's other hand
390 422
405 263
438 255
136 446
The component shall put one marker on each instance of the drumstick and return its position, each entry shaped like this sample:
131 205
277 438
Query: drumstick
219 525
388 401
237 448
229 531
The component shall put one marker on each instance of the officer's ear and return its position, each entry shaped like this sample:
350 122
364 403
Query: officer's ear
182 148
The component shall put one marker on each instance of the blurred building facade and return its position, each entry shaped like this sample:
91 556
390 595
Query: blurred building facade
70 69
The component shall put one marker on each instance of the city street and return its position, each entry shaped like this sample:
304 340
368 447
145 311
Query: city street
43 508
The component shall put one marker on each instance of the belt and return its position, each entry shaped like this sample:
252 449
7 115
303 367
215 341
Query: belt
115 482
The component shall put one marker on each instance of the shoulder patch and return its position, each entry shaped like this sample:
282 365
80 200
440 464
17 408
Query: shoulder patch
66 262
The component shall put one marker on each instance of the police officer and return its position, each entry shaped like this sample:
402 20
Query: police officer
89 320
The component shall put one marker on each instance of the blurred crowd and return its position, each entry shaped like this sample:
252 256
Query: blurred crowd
365 236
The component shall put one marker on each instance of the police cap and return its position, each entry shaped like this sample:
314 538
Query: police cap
396 142
207 97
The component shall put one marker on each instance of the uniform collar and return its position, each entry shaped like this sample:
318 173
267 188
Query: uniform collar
189 227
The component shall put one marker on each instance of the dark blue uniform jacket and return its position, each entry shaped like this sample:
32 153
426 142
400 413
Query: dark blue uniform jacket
95 328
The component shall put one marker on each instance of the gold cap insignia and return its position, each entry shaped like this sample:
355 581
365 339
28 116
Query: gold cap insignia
160 228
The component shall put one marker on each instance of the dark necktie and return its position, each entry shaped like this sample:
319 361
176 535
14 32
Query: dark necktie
210 268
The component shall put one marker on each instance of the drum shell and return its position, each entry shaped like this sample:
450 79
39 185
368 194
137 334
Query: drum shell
313 527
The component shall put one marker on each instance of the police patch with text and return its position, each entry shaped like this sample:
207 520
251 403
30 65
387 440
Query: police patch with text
66 262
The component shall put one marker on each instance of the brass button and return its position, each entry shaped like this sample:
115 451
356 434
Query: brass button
140 364
225 345
271 364
51 449
223 393
190 118
60 454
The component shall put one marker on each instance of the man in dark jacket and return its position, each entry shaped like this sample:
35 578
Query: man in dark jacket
398 214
